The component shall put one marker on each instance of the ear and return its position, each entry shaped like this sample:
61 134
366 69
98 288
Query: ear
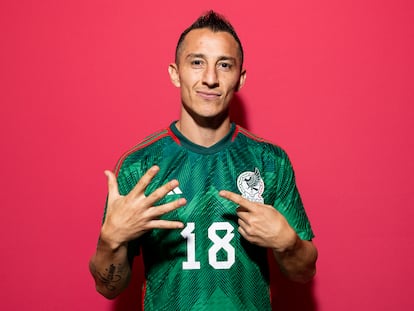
242 79
174 76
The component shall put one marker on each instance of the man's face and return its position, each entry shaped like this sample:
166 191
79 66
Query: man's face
208 72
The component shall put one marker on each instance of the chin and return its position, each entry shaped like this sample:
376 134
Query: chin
207 110
211 120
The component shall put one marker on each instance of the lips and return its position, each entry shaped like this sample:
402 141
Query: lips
208 95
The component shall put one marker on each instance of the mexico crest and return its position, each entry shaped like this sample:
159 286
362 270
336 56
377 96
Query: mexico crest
251 185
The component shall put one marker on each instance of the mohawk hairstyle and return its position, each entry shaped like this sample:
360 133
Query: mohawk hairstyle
216 23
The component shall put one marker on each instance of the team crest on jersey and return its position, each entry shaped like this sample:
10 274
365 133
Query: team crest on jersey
251 185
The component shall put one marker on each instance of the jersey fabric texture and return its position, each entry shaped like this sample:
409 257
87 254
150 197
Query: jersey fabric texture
208 265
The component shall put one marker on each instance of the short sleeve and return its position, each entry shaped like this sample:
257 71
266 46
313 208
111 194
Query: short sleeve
288 200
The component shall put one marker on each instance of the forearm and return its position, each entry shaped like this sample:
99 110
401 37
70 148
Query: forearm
299 262
110 268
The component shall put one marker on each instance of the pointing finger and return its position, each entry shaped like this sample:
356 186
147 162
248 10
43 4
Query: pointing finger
236 198
231 196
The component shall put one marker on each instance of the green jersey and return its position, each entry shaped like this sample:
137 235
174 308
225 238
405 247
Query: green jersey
208 265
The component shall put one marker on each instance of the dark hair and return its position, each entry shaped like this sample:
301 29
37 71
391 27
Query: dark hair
216 23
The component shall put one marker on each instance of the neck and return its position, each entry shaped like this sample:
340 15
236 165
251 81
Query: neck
205 133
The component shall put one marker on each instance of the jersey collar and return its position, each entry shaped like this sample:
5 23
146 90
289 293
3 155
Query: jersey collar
186 143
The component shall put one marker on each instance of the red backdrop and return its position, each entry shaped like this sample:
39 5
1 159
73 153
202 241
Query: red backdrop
329 81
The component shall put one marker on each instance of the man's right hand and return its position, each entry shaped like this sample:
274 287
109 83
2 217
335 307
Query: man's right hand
129 217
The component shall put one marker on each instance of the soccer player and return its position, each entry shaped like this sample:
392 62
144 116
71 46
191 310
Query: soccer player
204 199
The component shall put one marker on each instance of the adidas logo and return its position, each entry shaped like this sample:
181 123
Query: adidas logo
176 190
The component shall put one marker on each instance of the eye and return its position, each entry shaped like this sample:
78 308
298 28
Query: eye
225 66
197 63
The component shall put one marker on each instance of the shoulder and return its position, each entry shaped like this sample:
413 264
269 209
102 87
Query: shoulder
266 147
148 145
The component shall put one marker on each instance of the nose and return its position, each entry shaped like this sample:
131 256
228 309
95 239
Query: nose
210 77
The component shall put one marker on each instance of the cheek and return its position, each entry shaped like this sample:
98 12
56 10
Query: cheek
188 82
232 87
186 93
186 87
231 81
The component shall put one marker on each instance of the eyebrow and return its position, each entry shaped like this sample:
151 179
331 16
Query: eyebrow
200 55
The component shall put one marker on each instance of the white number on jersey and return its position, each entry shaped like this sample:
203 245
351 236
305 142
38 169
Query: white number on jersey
220 243
188 233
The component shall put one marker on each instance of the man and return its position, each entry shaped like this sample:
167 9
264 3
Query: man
204 199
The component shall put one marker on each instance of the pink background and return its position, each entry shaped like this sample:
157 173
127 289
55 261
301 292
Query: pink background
329 81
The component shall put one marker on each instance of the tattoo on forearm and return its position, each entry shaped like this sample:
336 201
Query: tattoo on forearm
110 277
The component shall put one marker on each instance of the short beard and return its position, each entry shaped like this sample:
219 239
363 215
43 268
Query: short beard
213 122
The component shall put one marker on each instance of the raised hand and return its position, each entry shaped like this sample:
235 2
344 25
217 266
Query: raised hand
262 224
129 217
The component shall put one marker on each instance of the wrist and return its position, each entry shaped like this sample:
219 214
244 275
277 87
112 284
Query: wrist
291 245
108 241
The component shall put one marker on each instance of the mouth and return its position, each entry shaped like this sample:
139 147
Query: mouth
208 95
